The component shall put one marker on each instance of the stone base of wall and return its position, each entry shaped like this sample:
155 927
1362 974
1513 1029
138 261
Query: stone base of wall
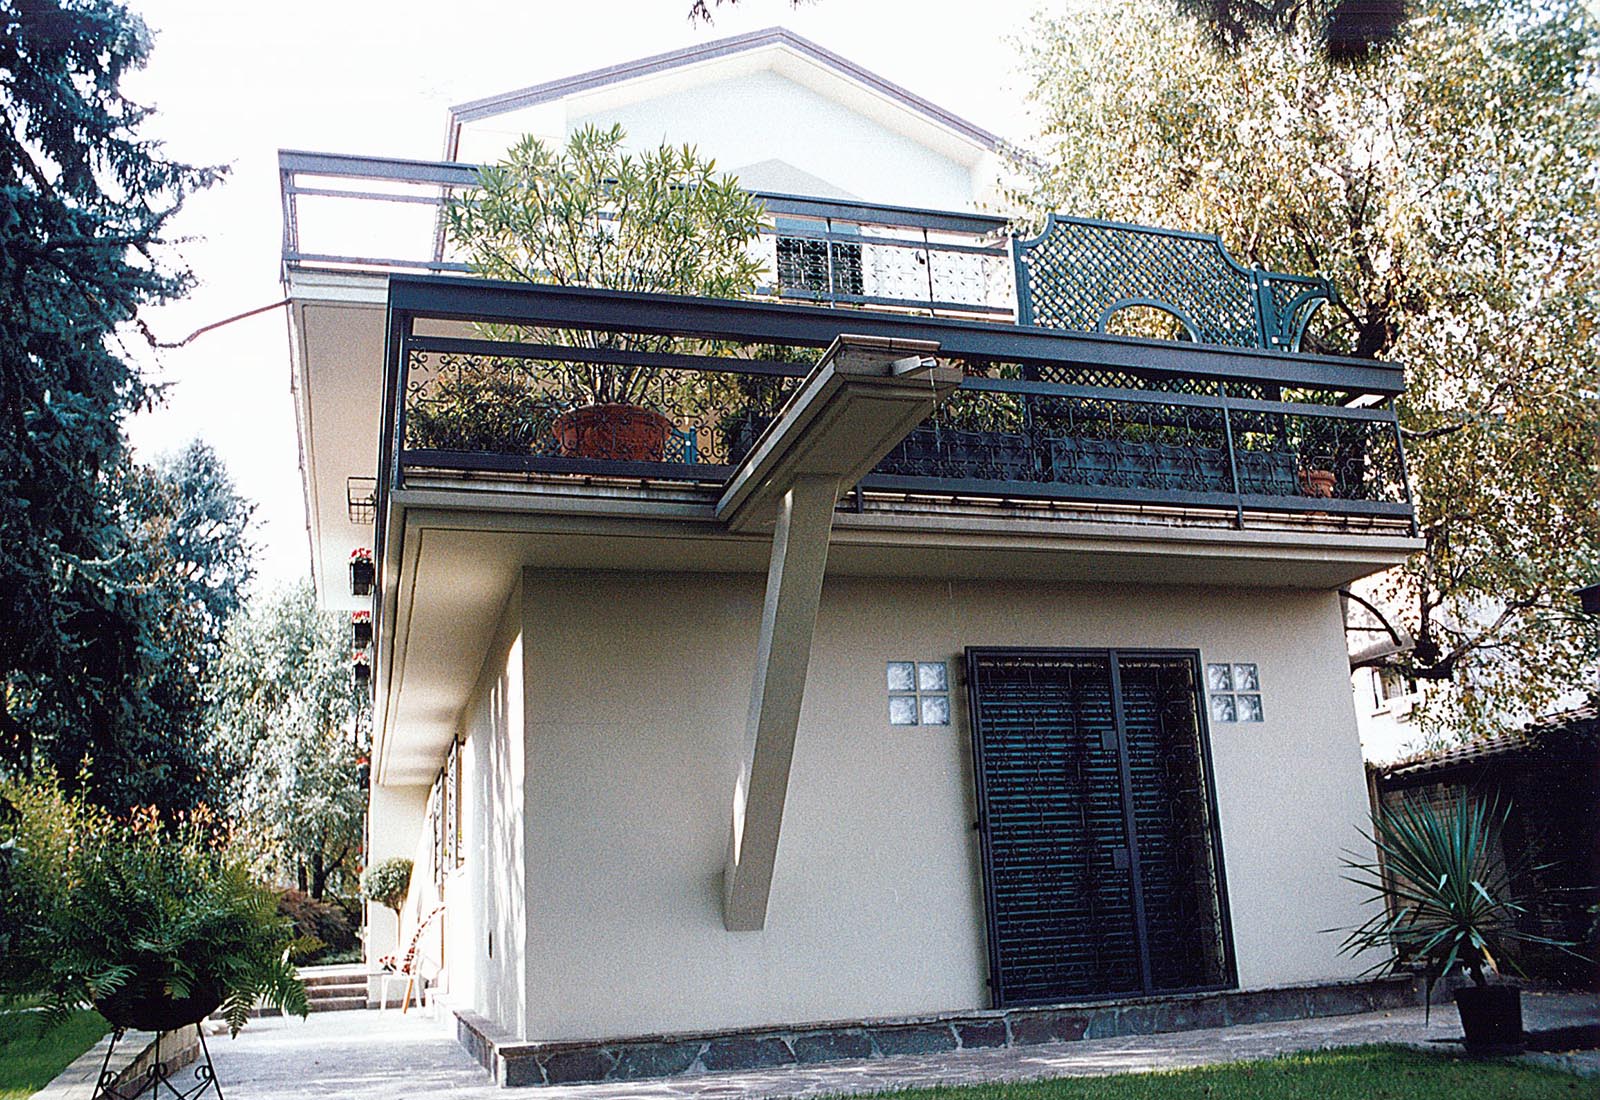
513 1062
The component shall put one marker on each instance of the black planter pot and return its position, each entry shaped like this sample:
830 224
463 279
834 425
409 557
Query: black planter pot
145 1005
362 576
1491 1018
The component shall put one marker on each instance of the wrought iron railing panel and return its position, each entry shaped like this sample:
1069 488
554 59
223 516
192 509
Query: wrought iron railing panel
688 407
1152 444
1081 274
679 409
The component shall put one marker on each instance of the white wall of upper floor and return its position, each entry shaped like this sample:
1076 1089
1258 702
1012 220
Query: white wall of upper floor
774 134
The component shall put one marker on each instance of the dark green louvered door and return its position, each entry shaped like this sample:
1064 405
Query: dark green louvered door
1100 857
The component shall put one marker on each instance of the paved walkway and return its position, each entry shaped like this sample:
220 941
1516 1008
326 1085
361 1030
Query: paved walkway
361 1055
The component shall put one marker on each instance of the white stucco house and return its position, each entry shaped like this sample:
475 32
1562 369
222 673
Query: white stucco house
971 674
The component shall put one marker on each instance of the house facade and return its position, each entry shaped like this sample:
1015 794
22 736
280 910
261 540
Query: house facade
964 654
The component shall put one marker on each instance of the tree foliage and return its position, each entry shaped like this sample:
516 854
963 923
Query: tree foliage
1449 188
1348 31
124 710
589 214
85 202
286 724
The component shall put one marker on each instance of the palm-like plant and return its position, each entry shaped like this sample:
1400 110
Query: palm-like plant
1445 888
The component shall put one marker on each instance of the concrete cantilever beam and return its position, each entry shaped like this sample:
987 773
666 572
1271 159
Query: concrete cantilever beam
851 410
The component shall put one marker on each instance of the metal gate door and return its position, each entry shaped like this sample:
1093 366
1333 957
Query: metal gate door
1101 863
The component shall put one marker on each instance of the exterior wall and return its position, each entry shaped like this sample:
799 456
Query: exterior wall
395 819
763 117
487 921
637 688
771 132
1389 728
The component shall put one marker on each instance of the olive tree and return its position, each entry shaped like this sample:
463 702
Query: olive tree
1450 187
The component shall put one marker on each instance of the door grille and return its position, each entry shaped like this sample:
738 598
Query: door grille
1099 839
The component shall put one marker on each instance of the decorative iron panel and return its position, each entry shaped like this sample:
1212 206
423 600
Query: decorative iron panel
1099 846
1081 274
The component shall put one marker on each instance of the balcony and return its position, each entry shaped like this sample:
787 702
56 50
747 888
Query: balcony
484 379
1153 384
350 213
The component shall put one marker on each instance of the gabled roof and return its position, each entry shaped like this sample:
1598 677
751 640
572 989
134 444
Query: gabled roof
845 69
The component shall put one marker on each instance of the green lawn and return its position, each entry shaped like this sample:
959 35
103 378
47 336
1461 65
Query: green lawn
29 1057
1356 1073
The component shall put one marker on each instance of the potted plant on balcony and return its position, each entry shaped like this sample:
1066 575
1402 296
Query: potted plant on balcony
362 573
1332 454
1444 887
155 923
591 214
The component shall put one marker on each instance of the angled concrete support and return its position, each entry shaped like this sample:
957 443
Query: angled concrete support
859 402
788 621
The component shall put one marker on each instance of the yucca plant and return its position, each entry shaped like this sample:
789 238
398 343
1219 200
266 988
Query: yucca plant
1444 888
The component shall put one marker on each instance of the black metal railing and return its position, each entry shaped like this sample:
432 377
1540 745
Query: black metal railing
690 384
344 212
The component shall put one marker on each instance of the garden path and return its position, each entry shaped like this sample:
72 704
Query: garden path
360 1055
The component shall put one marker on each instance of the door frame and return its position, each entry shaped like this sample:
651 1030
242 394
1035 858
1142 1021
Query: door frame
1230 980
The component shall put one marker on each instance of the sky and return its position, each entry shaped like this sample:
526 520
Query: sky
233 82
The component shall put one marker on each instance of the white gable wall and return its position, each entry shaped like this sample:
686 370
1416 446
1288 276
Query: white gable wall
790 137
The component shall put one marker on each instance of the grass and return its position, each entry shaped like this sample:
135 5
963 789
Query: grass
1354 1073
30 1056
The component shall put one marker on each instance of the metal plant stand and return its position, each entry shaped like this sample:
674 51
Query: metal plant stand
160 1080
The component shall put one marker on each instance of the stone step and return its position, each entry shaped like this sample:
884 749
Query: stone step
344 989
338 1004
312 977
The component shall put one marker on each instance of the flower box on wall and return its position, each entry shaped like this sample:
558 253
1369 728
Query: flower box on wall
361 629
362 573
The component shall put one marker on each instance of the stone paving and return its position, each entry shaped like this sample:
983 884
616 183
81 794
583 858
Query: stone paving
361 1055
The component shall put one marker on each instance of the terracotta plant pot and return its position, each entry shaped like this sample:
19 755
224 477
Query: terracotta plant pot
1320 483
1491 1018
621 433
144 1005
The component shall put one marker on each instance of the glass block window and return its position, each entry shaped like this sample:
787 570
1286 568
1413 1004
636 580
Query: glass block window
1235 691
919 693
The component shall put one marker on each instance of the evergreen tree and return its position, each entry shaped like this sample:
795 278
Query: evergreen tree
85 202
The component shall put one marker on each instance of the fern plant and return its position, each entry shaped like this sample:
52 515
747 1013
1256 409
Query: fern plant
142 919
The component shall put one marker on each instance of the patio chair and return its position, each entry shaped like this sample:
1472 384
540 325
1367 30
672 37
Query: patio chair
409 967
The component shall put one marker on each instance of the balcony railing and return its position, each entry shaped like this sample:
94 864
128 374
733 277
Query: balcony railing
1041 415
344 212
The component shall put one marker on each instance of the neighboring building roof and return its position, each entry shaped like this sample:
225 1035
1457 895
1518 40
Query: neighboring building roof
1541 737
710 51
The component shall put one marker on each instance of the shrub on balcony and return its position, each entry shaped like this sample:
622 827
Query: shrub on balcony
591 214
